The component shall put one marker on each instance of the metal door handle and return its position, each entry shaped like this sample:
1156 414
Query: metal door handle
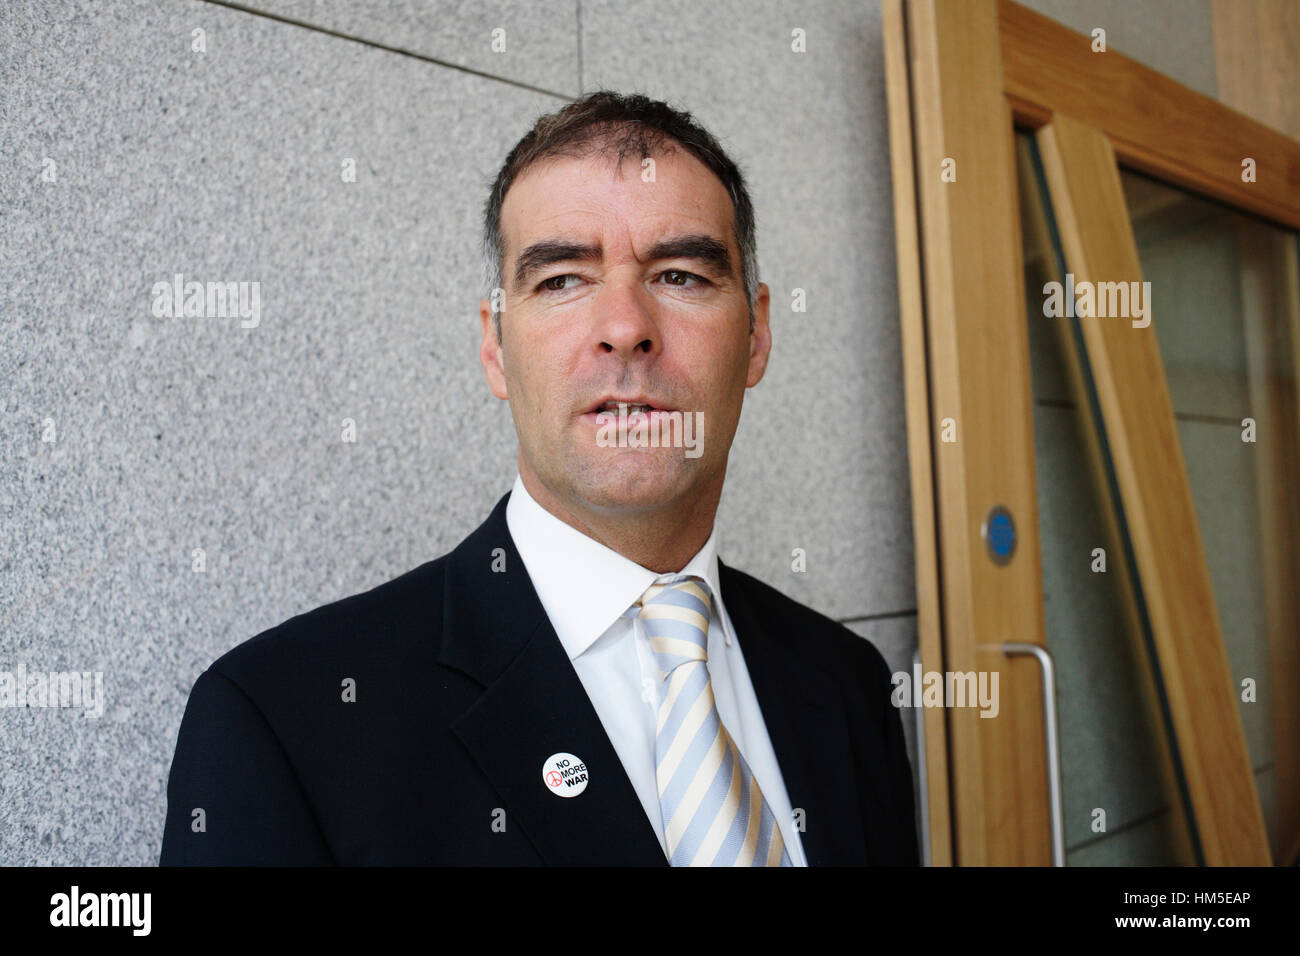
1053 743
922 783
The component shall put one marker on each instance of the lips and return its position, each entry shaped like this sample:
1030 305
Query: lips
634 410
634 404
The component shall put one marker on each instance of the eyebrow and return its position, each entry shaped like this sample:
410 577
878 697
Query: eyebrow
700 247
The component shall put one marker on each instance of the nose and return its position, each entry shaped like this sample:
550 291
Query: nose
625 325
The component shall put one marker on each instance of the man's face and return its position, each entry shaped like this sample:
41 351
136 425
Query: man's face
618 288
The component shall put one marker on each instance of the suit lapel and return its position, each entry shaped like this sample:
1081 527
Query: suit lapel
806 721
533 705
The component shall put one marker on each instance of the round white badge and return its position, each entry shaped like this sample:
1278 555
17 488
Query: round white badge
564 775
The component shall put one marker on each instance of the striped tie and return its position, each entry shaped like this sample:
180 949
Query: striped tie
713 811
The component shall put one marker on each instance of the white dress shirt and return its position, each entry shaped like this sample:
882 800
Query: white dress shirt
587 590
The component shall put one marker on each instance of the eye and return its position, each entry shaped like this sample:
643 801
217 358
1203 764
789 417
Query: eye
682 273
546 285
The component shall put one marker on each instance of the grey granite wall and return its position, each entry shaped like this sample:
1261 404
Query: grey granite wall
171 486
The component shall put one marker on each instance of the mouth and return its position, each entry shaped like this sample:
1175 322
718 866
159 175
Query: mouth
614 411
629 406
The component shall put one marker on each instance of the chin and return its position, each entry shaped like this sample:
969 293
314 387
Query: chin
639 480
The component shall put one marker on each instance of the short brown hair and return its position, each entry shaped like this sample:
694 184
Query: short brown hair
631 125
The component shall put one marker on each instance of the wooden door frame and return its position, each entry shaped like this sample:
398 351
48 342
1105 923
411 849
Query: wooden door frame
962 75
966 368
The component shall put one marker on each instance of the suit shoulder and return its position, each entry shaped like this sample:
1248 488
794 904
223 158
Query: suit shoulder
835 641
410 603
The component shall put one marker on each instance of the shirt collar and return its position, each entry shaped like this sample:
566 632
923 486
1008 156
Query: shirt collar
584 586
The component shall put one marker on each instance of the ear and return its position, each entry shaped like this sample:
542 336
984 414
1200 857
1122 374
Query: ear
490 353
760 340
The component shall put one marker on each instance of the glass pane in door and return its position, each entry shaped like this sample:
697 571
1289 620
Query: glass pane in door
1124 798
1227 318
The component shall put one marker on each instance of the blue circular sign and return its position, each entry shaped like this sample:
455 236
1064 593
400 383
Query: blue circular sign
999 533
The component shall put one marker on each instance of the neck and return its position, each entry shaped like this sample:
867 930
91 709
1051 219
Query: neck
661 541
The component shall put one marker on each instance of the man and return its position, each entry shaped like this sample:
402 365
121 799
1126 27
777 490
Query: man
581 681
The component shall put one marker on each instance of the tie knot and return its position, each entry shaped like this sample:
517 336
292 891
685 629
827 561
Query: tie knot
676 619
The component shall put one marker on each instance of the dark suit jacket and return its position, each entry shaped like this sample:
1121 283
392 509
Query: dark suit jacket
462 691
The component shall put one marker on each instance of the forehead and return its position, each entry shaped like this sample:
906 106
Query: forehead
592 197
